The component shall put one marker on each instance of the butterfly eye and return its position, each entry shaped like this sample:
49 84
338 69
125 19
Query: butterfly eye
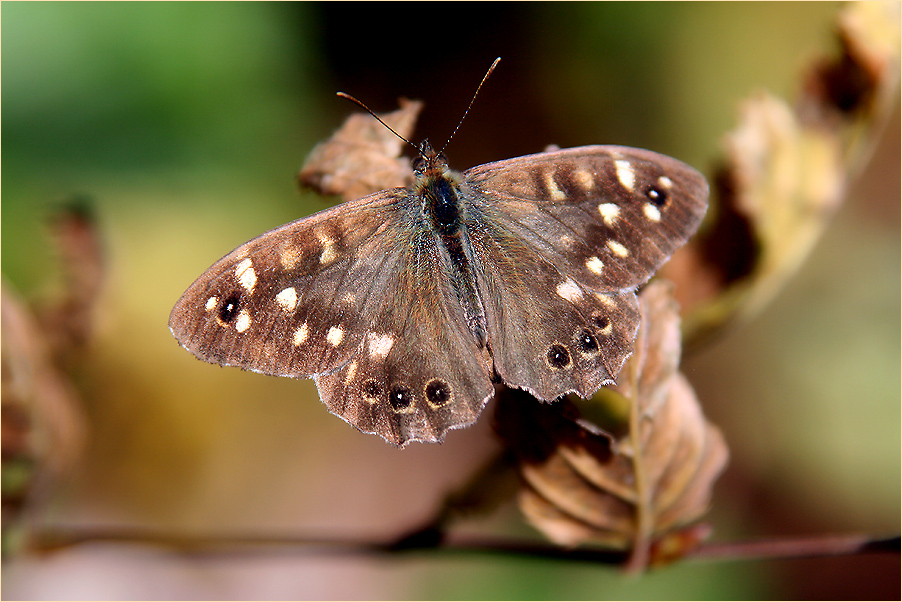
229 308
401 399
603 323
558 357
657 195
438 393
586 342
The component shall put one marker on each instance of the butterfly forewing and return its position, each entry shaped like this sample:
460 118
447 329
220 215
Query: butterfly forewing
297 300
607 216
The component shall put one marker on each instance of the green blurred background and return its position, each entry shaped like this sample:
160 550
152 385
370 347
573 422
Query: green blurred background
185 124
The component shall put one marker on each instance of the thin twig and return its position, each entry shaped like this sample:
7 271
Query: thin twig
799 547
205 545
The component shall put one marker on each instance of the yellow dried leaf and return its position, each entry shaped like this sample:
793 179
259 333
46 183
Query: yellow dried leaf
790 179
785 171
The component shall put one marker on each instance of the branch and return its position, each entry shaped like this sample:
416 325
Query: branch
208 546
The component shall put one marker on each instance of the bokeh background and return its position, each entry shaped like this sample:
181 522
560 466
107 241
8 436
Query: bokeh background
185 123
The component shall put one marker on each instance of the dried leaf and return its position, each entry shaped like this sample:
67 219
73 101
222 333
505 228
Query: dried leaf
68 320
789 179
785 171
659 476
362 156
43 427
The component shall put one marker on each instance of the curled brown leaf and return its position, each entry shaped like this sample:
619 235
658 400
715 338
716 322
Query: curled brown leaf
656 478
363 156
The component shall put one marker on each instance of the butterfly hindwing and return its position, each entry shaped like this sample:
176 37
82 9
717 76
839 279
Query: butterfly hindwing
419 371
549 334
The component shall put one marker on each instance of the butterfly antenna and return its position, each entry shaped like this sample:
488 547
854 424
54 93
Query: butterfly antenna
370 111
472 100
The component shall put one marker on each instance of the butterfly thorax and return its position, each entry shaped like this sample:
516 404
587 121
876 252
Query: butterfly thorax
438 189
441 204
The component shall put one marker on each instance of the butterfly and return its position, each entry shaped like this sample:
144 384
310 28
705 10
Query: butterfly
407 306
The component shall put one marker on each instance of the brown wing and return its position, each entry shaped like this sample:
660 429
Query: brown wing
565 238
355 297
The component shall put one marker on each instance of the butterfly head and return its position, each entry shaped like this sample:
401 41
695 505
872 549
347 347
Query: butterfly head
429 164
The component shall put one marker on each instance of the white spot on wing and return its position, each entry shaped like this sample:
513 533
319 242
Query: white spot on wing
380 344
328 243
594 264
610 212
243 322
569 290
352 370
618 249
625 174
335 335
553 189
652 212
584 178
328 254
289 256
300 335
665 181
605 299
323 238
287 299
211 303
244 271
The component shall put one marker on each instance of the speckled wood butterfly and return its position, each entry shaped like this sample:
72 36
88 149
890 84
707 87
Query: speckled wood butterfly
407 305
